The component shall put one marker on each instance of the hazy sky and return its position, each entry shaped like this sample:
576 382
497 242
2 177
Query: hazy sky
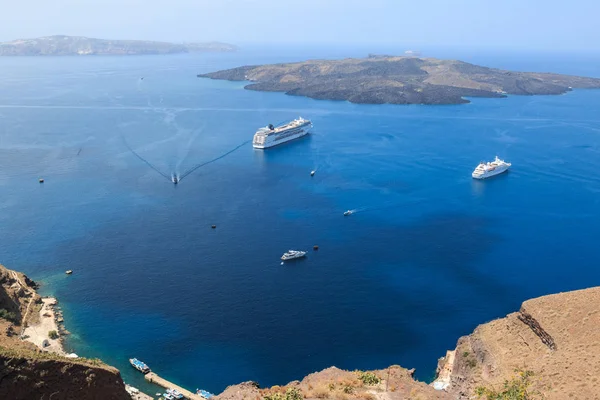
542 24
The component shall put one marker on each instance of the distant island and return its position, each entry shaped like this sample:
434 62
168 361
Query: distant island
408 79
61 45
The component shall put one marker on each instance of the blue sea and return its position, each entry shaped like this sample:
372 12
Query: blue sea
427 256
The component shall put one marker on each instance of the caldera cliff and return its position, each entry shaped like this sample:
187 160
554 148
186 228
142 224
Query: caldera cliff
549 349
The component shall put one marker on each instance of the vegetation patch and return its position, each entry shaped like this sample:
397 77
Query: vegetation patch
518 388
8 315
368 378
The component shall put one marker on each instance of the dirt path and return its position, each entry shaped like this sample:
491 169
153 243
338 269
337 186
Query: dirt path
30 292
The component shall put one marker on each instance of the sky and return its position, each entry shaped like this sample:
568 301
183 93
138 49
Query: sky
521 24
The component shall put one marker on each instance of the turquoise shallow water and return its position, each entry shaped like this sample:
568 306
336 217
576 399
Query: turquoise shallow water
428 255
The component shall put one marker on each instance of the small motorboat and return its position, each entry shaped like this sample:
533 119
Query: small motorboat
68 272
349 212
174 179
41 180
312 173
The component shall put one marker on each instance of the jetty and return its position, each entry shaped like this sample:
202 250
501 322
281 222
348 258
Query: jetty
152 377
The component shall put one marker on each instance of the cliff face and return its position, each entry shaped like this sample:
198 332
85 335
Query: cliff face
556 337
398 80
27 372
34 376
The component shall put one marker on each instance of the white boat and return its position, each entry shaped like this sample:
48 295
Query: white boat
312 173
140 366
175 393
292 254
175 178
486 170
346 213
270 135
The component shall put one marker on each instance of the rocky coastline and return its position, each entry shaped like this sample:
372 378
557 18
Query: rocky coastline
550 347
398 80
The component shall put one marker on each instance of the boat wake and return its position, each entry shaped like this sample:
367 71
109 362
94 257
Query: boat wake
197 166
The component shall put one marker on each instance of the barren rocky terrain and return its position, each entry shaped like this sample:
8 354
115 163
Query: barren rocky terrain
399 80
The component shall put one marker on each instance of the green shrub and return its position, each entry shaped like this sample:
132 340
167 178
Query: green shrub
8 315
293 394
53 335
368 378
515 389
274 396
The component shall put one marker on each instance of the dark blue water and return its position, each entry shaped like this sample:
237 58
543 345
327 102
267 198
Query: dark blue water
428 255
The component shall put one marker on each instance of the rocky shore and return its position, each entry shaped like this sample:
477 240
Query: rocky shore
33 369
398 80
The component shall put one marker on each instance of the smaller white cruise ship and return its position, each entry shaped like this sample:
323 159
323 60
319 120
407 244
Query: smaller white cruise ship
270 135
489 169
290 255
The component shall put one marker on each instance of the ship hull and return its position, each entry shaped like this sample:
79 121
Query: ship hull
490 174
281 138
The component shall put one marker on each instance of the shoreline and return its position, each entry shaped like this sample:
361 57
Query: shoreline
50 319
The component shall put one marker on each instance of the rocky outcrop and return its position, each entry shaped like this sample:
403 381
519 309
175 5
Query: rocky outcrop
535 326
27 372
393 383
398 80
556 337
25 376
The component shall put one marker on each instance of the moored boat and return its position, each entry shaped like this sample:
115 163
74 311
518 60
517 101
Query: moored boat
204 394
140 366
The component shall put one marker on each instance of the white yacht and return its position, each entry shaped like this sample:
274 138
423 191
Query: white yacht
270 135
290 255
486 170
346 213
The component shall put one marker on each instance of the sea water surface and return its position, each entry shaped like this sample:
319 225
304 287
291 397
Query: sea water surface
428 255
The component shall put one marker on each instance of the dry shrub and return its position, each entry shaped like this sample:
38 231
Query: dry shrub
320 392
368 396
341 396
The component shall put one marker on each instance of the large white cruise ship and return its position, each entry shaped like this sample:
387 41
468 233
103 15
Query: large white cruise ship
486 170
270 136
